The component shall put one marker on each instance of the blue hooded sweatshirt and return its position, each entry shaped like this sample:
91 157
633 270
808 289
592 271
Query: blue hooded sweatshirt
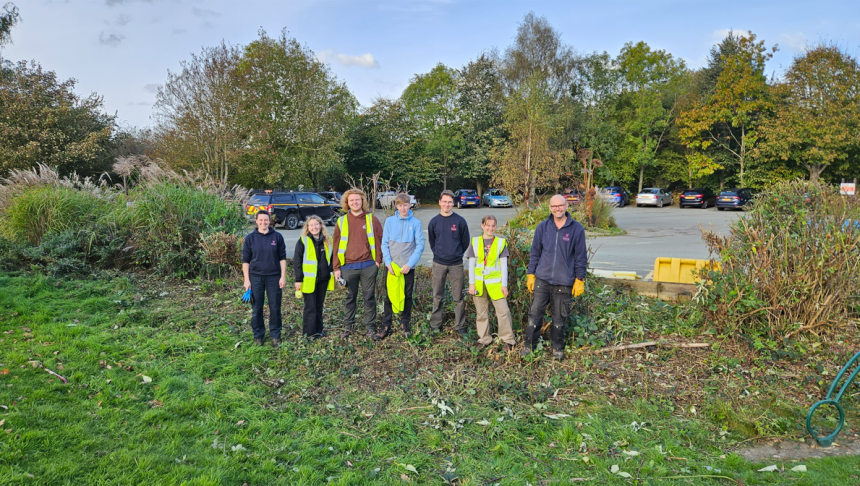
402 240
559 256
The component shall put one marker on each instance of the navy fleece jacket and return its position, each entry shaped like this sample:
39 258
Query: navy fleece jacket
264 252
559 256
449 239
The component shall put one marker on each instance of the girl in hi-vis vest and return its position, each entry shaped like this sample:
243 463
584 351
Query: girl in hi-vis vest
314 278
488 282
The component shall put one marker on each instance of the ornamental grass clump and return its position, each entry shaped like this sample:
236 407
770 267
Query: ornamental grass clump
790 267
177 224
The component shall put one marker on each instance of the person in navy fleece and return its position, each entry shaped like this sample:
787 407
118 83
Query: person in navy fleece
264 266
556 272
448 235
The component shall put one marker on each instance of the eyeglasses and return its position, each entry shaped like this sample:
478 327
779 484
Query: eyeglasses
557 207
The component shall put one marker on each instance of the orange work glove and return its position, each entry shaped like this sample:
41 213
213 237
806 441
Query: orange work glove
530 283
578 288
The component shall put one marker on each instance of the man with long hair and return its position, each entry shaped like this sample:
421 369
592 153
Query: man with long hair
357 241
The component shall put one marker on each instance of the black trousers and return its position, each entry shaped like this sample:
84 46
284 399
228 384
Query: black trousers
558 297
406 315
266 287
312 319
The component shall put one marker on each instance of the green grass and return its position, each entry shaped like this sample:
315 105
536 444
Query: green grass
345 413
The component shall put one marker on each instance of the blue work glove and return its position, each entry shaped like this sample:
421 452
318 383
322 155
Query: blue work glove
247 297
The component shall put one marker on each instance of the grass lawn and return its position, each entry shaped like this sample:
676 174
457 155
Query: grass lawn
164 387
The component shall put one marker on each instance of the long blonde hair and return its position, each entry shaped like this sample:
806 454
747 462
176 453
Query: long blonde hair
323 232
344 200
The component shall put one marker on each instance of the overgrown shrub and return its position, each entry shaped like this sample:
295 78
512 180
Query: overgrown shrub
168 220
221 252
61 253
176 224
791 266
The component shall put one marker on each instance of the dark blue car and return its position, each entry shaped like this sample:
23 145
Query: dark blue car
615 195
467 197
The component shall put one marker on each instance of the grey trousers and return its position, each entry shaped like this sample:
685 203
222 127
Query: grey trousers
367 278
457 276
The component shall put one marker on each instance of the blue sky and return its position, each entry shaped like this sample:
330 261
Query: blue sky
122 49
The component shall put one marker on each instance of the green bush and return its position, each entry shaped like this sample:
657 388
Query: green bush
168 219
601 215
790 266
180 225
39 210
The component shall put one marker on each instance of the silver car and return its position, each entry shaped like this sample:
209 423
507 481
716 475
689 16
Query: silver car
654 196
496 198
386 200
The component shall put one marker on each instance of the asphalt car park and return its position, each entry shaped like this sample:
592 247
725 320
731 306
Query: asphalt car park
651 232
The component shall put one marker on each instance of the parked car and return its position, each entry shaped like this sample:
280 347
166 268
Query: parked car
293 208
467 197
386 200
735 198
701 197
615 195
258 202
654 196
331 196
572 195
496 198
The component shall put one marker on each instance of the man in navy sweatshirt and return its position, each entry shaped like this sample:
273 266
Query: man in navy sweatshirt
556 271
448 235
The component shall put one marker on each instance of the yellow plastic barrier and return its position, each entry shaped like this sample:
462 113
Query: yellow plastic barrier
680 270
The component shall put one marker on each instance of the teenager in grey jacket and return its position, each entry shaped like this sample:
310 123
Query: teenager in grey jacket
402 244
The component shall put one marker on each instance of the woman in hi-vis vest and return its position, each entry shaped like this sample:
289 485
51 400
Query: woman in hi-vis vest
488 281
312 266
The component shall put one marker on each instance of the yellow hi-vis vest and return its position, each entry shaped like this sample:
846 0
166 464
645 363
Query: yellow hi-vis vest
489 275
309 267
396 287
343 224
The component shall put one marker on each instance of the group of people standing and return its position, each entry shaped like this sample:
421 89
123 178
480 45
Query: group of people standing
361 245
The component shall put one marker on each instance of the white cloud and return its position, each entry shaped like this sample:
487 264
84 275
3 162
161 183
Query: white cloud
721 34
795 41
364 60
199 12
152 87
112 40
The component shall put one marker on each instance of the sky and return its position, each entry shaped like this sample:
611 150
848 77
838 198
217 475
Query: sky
123 49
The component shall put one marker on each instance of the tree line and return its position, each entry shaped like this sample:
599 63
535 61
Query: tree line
532 118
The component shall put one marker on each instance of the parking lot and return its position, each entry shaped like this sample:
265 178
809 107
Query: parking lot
651 232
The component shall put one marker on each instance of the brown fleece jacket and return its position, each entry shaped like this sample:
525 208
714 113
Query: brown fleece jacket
357 248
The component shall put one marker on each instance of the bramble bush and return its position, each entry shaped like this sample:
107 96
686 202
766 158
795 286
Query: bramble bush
789 267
